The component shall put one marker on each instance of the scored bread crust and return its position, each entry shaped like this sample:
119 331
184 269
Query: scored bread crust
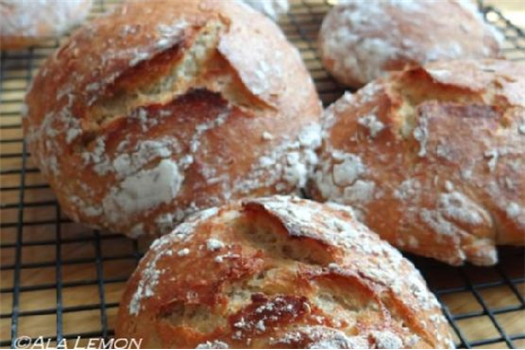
278 272
433 158
162 108
360 40
25 23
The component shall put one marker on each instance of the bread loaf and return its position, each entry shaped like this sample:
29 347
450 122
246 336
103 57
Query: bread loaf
25 23
162 108
432 158
362 40
278 273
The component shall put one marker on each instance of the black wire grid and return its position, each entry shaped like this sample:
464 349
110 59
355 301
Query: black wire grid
63 281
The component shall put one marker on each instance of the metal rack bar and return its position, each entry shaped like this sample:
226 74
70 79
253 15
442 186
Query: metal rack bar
20 229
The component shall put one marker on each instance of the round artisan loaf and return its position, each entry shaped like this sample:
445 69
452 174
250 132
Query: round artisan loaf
362 40
166 107
272 8
278 272
433 158
25 23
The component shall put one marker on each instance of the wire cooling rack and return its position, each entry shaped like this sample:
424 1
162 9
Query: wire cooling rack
60 280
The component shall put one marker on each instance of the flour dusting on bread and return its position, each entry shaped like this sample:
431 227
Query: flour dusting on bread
443 176
179 88
284 272
361 41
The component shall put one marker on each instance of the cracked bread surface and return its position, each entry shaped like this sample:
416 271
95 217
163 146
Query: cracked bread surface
278 272
432 159
162 108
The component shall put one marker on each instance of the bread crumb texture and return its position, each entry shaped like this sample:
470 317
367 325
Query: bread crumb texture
432 159
278 272
162 108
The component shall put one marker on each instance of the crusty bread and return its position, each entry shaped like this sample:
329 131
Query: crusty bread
24 23
272 8
278 272
166 107
362 40
433 158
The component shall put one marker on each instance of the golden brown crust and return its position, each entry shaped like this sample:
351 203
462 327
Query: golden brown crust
26 23
360 41
278 272
433 158
166 107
